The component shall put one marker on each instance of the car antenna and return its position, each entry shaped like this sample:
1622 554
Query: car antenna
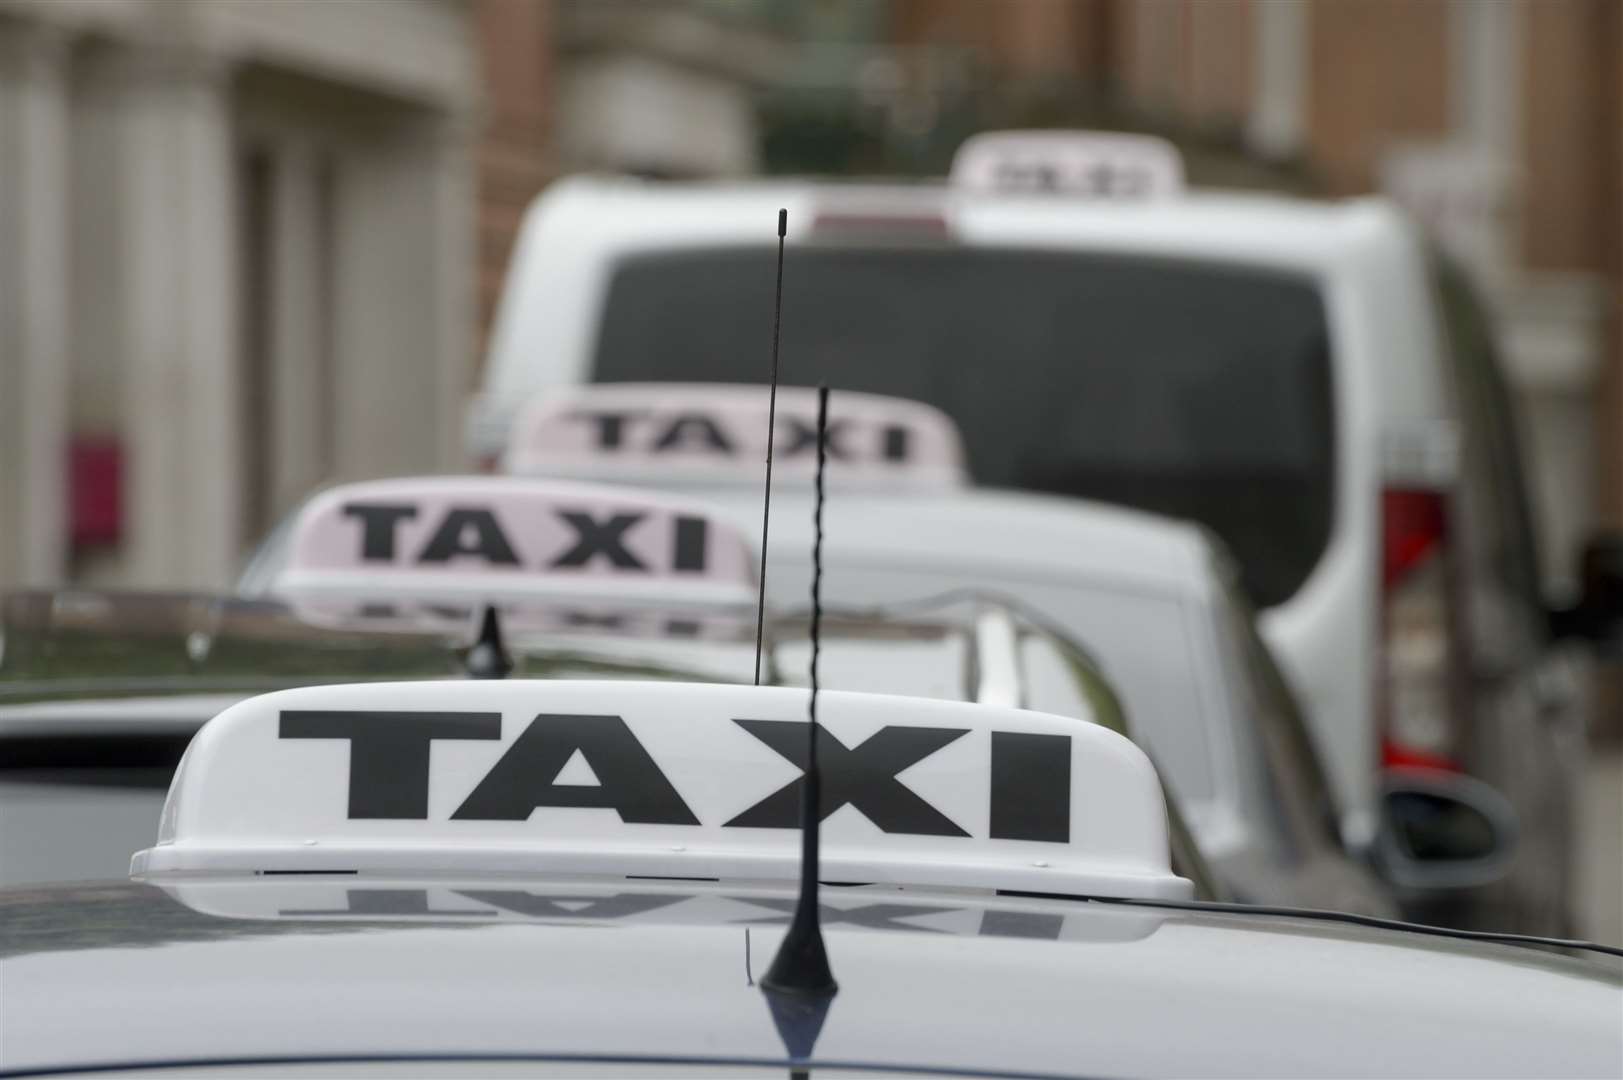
488 658
799 986
771 431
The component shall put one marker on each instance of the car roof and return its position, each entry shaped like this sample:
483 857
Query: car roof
1059 537
667 972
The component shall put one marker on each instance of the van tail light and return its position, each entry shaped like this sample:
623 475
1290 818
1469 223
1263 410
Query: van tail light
1419 667
488 463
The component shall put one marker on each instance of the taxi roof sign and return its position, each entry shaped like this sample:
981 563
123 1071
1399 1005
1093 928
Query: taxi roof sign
497 537
662 780
704 433
1084 164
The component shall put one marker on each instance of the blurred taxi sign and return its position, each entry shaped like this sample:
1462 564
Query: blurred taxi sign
1084 164
699 433
682 780
498 537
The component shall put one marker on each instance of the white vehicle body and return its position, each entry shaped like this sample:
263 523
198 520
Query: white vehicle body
1146 597
515 976
345 883
1394 418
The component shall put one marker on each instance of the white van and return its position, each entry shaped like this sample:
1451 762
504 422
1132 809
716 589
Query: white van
1298 376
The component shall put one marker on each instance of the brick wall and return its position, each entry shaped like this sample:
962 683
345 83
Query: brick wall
1378 73
515 160
1569 135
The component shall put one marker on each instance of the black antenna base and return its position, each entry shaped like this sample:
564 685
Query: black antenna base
488 658
801 966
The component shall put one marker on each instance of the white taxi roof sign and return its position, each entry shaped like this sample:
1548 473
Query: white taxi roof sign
1083 164
498 537
662 780
711 433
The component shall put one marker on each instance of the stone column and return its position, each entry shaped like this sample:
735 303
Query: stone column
178 320
403 295
1279 80
33 305
457 255
300 350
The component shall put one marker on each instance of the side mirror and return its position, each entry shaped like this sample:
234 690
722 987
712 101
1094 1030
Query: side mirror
1443 831
1598 614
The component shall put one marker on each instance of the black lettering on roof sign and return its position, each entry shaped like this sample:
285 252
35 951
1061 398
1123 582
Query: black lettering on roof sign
685 427
594 538
388 752
389 759
692 536
452 538
378 521
610 426
536 905
896 442
1031 787
527 775
863 776
804 434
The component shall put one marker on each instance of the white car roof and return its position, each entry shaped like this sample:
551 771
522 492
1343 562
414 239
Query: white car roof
1060 537
627 971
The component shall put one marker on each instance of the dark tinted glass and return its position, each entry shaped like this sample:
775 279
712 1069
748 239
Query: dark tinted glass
1436 828
1190 389
1493 459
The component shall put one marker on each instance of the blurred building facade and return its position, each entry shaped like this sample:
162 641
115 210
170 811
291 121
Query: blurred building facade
236 260
247 248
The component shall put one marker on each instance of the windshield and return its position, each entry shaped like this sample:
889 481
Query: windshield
1193 389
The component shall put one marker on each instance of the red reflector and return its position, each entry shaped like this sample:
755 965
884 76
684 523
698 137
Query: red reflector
1397 756
95 491
1414 524
488 463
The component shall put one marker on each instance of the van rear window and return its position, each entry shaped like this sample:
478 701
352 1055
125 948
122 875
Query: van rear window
1193 389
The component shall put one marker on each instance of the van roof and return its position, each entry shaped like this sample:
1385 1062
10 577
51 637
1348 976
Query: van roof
1248 225
596 220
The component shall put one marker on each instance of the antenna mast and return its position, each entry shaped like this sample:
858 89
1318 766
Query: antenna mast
801 966
771 432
